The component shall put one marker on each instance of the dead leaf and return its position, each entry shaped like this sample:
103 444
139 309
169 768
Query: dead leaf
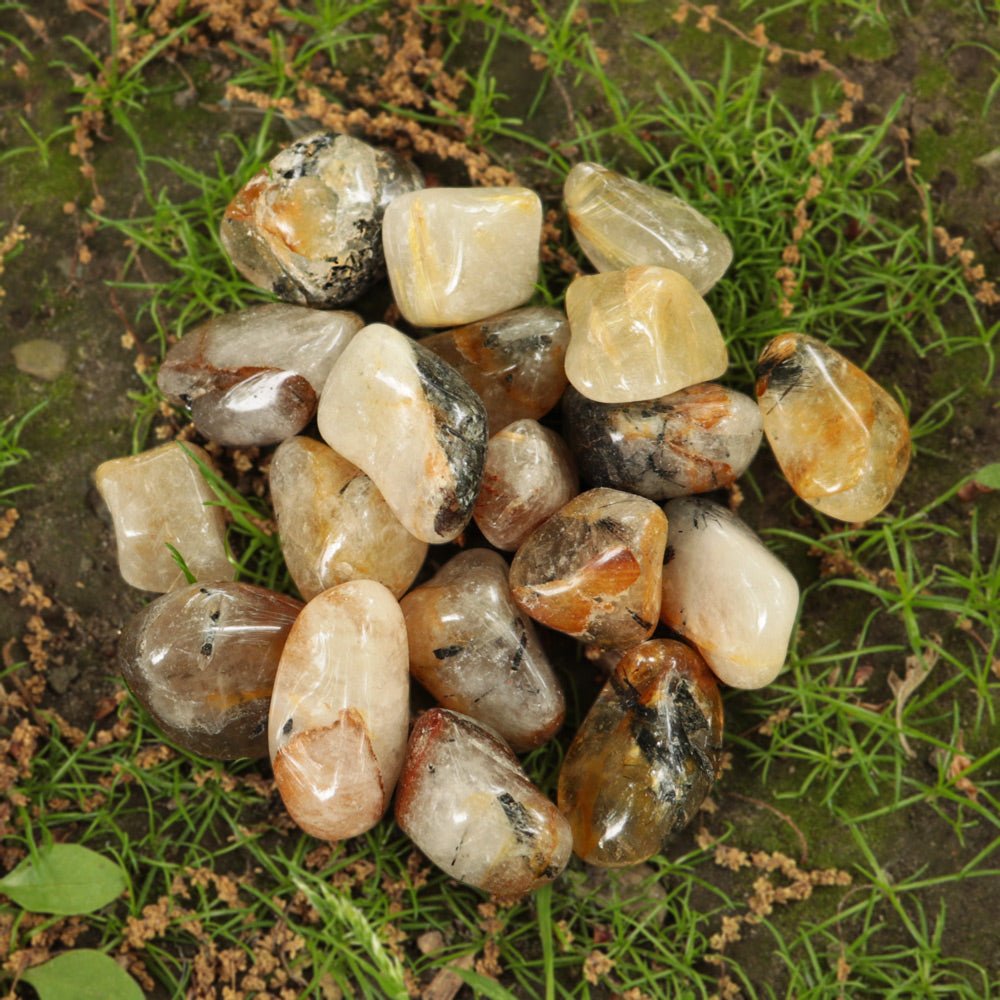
918 669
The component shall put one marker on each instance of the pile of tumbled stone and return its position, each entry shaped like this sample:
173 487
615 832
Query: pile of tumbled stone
419 436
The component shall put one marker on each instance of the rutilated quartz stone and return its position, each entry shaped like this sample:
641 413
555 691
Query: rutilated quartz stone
308 226
841 440
692 441
592 570
457 255
467 804
410 422
334 524
640 334
159 498
340 710
477 654
726 593
645 756
514 361
202 660
620 223
529 474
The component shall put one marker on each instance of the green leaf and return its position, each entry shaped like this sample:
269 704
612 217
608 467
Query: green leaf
481 985
66 879
989 476
83 974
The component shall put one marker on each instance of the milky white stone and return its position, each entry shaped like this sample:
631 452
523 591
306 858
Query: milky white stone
412 424
640 334
456 255
727 593
620 223
160 497
340 710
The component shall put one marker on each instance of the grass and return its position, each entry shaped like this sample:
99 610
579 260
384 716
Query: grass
225 893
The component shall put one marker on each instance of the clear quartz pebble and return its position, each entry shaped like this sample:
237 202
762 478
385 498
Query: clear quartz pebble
841 440
645 756
640 334
469 807
592 570
514 361
726 593
202 660
334 524
308 226
410 422
457 255
477 654
697 439
340 710
529 474
160 498
620 223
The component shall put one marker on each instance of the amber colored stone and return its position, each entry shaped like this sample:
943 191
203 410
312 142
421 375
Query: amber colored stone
466 803
514 361
841 440
334 524
529 474
202 660
477 654
160 498
340 710
645 756
593 569
727 593
698 439
640 334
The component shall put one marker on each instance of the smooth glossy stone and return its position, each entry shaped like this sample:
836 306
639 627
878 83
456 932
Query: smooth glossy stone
334 524
692 441
202 661
410 422
620 223
645 756
841 440
227 349
159 498
640 334
456 255
340 710
477 654
727 593
592 570
308 226
467 804
529 474
514 361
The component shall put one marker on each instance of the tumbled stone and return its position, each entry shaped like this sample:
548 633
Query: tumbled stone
621 223
334 524
640 334
645 756
308 226
225 350
841 440
467 804
692 441
514 361
410 422
202 660
592 570
726 593
457 255
475 652
340 710
159 498
529 474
